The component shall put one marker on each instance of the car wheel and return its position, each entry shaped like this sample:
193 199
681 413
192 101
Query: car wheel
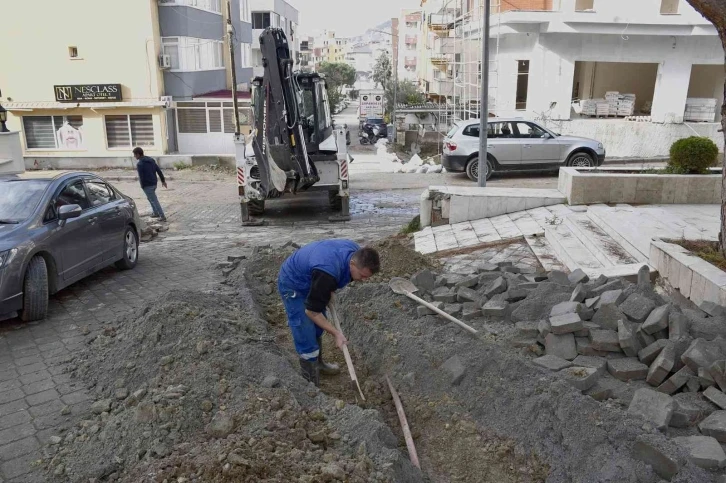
35 291
256 207
131 250
581 160
335 201
472 169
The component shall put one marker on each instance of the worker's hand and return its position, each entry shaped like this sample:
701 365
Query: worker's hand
164 185
340 340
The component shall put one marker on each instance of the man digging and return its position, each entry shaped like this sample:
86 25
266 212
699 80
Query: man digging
306 284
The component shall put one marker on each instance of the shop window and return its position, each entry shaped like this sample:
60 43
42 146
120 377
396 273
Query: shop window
522 84
129 131
53 132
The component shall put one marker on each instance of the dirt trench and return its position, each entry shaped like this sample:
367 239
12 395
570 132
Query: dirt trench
452 447
505 421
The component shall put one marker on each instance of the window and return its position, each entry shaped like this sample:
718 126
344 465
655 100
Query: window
129 131
669 7
583 5
210 5
53 132
209 117
19 199
99 193
244 6
522 84
245 53
260 20
499 130
190 54
73 52
527 130
472 131
73 194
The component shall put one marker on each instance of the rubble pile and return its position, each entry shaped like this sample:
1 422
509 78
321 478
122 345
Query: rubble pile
612 340
195 388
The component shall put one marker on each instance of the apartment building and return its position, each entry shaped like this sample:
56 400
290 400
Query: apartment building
305 53
549 58
410 28
95 90
273 13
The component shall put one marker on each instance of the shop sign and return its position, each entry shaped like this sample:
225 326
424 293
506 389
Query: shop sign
88 93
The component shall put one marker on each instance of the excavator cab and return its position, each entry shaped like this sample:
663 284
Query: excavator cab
294 145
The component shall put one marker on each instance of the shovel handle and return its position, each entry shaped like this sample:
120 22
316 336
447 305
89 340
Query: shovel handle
441 312
346 353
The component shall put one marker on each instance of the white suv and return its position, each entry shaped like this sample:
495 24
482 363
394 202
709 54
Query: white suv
516 145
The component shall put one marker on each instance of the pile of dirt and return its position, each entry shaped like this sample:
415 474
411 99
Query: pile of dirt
194 388
399 260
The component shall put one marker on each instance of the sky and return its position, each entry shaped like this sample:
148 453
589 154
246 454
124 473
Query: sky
347 18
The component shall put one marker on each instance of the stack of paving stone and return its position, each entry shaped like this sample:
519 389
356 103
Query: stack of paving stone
666 364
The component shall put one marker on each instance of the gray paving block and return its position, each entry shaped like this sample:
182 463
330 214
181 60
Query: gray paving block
561 346
595 362
644 277
599 281
657 320
717 370
584 347
637 307
552 362
662 463
495 308
715 396
662 366
686 414
42 397
424 280
566 323
444 294
714 425
605 340
711 308
456 369
579 294
578 276
705 378
677 325
628 341
516 294
468 282
702 353
470 310
583 378
607 317
566 308
648 354
18 467
627 369
653 406
496 287
676 381
452 309
704 451
614 297
591 302
19 448
465 294
558 277
527 329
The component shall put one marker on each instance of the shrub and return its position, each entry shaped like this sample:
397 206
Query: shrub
693 155
180 166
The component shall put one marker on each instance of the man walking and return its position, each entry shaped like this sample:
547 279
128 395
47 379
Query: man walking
306 284
148 169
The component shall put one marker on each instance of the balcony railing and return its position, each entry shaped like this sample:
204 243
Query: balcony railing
441 59
411 39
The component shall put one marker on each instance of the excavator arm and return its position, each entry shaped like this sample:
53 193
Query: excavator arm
279 134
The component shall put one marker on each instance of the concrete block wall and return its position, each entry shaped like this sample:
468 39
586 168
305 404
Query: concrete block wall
694 277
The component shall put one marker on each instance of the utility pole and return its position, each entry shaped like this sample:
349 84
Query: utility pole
230 36
395 87
484 99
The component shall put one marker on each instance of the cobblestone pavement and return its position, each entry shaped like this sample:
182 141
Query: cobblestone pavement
38 399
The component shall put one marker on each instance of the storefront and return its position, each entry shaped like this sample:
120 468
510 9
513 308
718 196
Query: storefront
90 121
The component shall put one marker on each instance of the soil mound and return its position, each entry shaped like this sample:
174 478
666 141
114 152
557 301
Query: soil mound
194 388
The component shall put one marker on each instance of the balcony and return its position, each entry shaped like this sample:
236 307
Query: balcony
411 40
441 59
409 62
448 45
441 22
441 87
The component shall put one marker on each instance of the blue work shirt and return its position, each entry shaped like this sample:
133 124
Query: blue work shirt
330 256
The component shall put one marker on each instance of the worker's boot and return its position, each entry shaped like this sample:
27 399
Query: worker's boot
326 369
310 371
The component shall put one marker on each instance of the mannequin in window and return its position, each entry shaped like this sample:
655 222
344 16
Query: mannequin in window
69 137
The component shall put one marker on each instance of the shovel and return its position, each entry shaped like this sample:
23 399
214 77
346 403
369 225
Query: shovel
348 360
405 287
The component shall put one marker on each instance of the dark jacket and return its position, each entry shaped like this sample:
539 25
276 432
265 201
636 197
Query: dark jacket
148 169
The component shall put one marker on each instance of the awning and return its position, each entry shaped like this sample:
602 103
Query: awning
48 105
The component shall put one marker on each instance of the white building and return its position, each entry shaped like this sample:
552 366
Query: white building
410 26
272 13
545 54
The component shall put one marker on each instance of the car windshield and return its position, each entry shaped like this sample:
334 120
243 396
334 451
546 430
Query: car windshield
18 199
374 121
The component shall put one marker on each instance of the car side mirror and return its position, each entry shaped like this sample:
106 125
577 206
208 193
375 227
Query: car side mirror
69 211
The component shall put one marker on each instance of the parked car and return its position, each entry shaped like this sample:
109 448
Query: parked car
55 229
516 145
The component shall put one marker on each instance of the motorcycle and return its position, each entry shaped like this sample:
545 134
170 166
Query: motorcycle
371 133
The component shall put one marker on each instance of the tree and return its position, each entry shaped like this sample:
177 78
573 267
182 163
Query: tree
715 12
337 75
407 94
382 71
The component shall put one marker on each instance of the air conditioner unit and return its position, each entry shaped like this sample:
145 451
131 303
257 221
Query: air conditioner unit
165 61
